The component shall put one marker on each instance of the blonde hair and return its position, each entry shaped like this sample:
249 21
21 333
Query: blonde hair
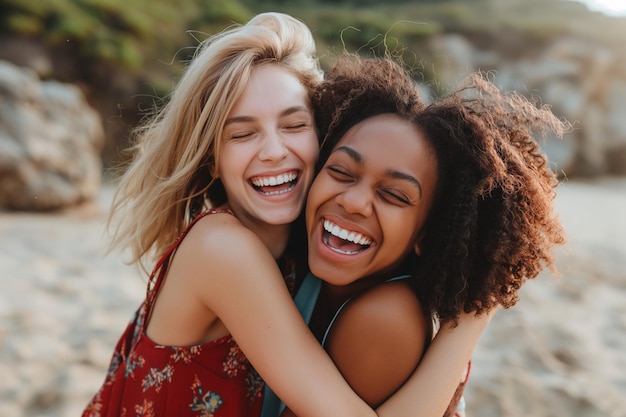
174 150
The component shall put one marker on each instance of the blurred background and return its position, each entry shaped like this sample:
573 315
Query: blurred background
117 59
77 75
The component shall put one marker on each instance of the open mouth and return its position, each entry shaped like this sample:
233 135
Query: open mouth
275 185
344 241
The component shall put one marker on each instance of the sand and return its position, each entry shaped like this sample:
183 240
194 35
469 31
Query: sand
561 351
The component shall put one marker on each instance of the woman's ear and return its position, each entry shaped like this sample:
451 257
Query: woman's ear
417 248
213 171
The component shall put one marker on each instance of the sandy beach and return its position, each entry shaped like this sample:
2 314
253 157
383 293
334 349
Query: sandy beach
560 352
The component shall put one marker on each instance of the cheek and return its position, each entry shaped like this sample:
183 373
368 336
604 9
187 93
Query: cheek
236 154
308 150
312 199
317 196
230 167
403 231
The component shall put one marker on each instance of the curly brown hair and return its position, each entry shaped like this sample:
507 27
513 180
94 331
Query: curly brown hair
492 225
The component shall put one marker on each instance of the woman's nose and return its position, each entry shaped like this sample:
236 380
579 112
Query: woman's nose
356 200
273 148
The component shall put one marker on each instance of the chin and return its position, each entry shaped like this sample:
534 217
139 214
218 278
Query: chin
282 217
329 274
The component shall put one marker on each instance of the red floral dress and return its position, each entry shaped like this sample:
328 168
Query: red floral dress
146 379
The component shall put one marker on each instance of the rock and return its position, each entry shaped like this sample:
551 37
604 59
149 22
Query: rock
591 96
583 82
50 143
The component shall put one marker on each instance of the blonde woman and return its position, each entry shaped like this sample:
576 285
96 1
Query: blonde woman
218 177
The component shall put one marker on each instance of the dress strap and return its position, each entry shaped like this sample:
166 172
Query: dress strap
345 303
161 266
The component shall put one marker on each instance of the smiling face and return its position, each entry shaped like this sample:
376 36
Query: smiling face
369 202
269 149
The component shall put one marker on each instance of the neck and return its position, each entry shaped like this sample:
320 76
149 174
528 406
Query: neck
336 295
274 237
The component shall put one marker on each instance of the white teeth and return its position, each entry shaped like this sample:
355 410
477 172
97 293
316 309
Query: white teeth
344 234
273 181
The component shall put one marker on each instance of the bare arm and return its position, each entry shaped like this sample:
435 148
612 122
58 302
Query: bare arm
379 339
377 370
429 389
248 294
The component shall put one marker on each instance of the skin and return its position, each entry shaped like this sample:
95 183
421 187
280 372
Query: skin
269 132
379 191
266 138
269 137
263 138
382 197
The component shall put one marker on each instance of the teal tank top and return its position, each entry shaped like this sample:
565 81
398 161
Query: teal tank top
305 300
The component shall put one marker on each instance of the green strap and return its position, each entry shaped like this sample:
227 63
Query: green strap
306 296
305 300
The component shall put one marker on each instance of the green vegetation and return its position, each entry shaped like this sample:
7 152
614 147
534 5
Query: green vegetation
123 33
130 34
136 48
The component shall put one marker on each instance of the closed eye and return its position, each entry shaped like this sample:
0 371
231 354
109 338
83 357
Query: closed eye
242 135
340 174
297 126
395 197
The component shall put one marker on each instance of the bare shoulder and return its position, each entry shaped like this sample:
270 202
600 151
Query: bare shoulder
219 227
222 237
379 339
391 310
221 246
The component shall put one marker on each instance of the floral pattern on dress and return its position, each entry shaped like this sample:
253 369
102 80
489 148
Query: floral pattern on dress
116 360
256 385
94 408
144 409
186 354
207 403
146 379
235 361
155 378
134 361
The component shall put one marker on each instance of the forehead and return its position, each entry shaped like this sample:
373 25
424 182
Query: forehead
385 136
270 86
387 146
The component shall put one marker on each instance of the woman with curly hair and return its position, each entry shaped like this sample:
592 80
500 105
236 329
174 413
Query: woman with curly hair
420 212
218 176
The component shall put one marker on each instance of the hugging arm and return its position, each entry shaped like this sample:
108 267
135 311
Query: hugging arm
429 389
379 340
252 301
248 294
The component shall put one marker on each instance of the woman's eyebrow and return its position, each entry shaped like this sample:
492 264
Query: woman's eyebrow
351 153
391 172
404 176
294 109
286 112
